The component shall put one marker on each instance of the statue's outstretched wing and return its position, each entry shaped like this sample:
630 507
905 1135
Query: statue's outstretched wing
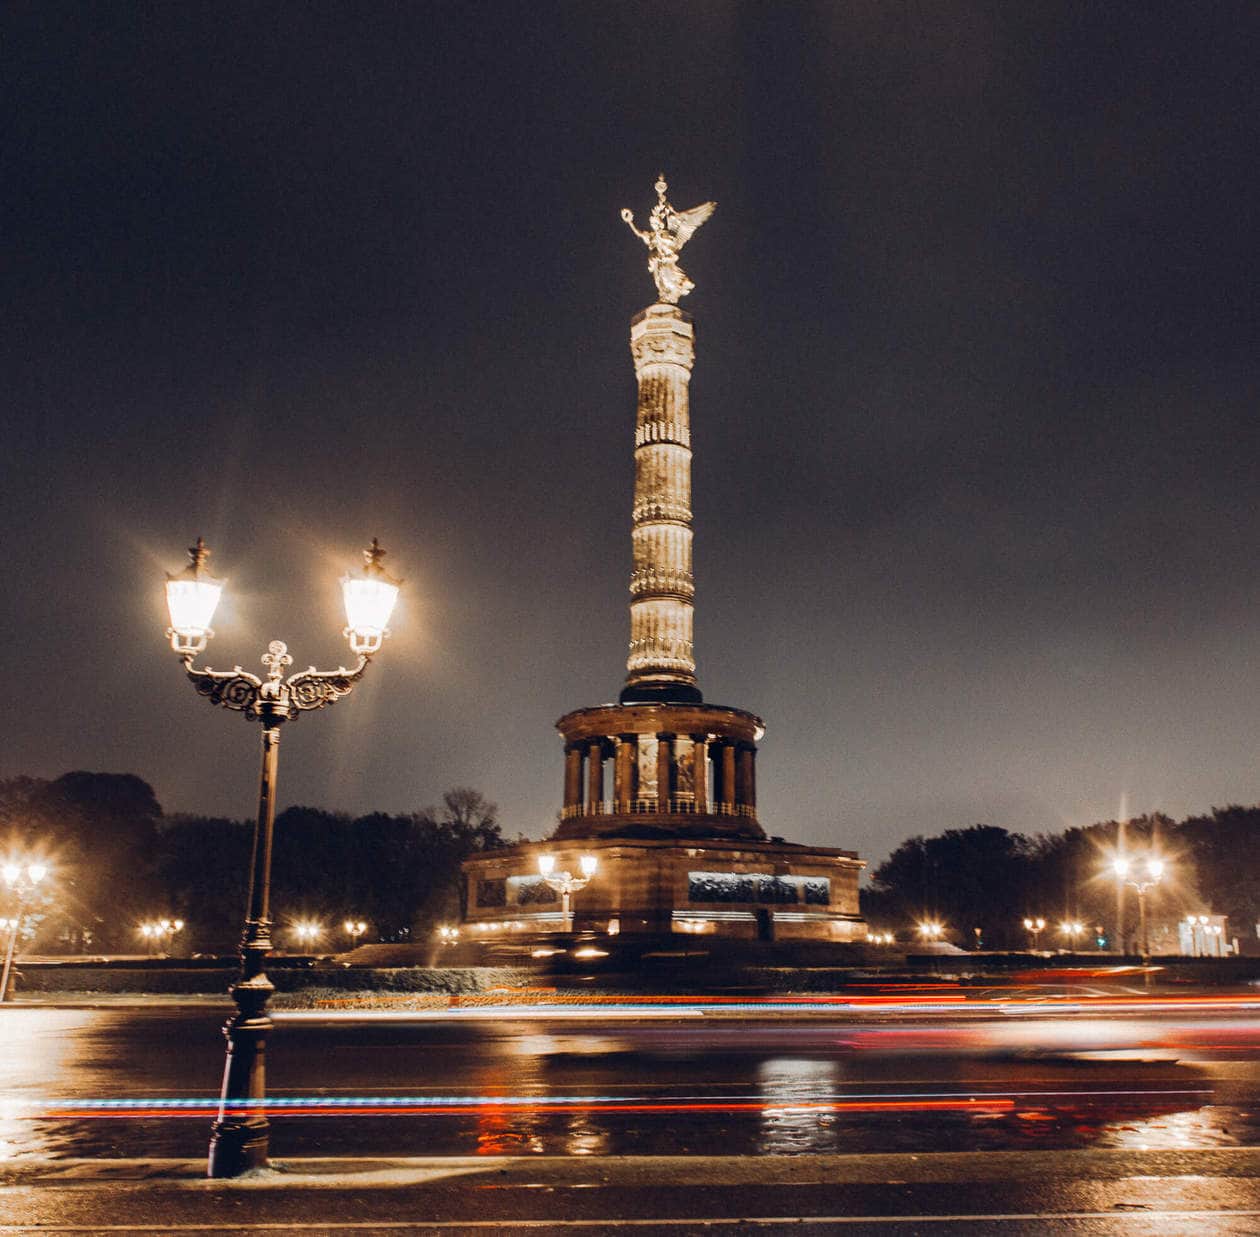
683 223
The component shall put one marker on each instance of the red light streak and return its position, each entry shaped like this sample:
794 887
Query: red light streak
211 1108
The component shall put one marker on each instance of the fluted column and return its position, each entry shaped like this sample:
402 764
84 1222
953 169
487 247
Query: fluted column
661 664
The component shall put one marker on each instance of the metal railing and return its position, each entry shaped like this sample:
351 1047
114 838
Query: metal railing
684 806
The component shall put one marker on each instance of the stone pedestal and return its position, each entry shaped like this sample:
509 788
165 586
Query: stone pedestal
700 888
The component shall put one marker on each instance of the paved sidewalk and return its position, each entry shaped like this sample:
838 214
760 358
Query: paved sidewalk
1208 1192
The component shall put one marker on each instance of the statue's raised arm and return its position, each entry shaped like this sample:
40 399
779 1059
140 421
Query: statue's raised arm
669 230
628 215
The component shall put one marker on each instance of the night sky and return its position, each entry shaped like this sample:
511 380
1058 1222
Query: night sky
974 406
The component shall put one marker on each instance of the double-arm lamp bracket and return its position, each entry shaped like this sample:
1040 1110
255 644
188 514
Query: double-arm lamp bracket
275 699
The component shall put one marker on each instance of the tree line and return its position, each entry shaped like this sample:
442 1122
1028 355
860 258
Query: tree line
989 879
116 861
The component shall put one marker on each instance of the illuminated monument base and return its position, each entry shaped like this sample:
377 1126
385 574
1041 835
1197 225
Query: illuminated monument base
674 829
751 891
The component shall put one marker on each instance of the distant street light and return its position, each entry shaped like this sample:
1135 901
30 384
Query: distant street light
160 931
354 928
1072 930
239 1136
931 930
447 934
1142 875
565 884
308 931
22 880
1034 928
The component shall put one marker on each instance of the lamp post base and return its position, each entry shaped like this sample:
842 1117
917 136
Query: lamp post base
237 1145
239 1138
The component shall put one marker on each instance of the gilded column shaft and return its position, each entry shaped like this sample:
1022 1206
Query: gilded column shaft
661 664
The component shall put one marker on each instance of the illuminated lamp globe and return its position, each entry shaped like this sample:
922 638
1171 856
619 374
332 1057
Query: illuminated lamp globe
191 600
546 864
589 864
369 596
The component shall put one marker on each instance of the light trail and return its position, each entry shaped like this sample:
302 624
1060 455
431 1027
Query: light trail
428 1105
705 1007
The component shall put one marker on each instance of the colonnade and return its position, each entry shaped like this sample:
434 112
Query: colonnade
697 773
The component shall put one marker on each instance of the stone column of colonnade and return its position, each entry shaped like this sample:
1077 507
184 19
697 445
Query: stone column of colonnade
661 665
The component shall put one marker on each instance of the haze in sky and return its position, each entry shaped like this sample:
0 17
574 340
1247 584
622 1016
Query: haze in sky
974 405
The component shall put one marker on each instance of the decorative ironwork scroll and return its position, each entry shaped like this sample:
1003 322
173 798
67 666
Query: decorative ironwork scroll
277 699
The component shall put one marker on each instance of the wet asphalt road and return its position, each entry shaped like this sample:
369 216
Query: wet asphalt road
820 1084
1126 1125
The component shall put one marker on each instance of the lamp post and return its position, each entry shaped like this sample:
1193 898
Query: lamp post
566 884
354 928
158 931
1072 930
1142 877
239 1136
307 932
23 880
1034 928
930 930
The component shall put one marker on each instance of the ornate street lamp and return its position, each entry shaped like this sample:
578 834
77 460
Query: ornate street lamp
1034 928
1072 930
22 879
159 931
1142 876
354 928
566 884
931 930
239 1136
308 932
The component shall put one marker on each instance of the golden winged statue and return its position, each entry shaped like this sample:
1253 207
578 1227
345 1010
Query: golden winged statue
668 231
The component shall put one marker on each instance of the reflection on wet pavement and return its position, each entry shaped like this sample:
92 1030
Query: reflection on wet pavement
792 1129
515 1090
